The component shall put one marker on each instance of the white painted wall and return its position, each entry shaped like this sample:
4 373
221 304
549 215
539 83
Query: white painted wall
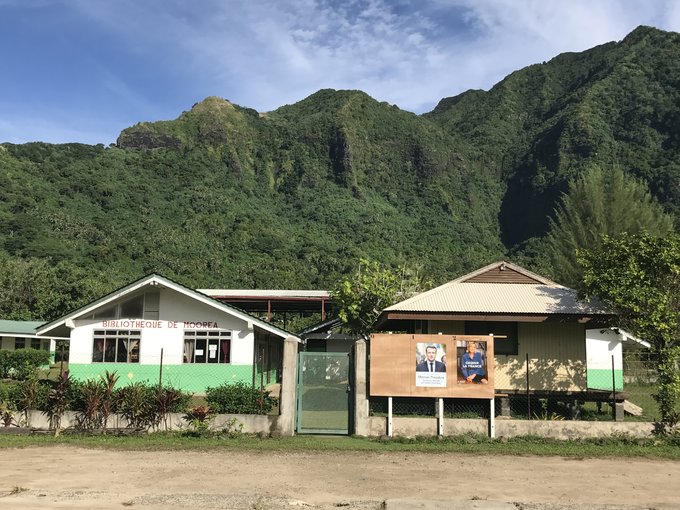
601 345
177 313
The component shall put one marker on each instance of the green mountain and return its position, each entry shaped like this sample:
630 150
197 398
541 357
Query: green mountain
616 104
226 196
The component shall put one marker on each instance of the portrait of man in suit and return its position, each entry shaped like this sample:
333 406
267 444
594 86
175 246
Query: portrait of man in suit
430 363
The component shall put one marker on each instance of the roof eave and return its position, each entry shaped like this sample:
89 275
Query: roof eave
493 316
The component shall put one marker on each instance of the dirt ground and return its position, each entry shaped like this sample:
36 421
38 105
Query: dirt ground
70 477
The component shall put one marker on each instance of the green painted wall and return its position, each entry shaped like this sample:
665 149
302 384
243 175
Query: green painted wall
601 379
273 376
194 378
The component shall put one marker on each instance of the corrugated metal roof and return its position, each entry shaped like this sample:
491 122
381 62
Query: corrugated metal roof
499 298
464 296
19 327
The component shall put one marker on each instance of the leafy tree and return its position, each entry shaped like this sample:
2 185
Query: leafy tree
640 275
600 203
370 289
37 289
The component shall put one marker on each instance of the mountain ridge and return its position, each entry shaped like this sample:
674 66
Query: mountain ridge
224 195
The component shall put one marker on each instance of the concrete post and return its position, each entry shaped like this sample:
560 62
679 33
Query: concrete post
361 427
618 411
440 417
505 406
285 425
492 418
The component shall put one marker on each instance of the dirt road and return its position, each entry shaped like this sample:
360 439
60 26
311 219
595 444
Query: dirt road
69 477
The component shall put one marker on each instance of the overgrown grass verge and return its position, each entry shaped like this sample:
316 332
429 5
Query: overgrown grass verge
616 446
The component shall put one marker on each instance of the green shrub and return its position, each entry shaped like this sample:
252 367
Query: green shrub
22 363
58 401
5 363
238 398
30 394
172 400
136 403
85 398
198 419
7 392
7 404
142 404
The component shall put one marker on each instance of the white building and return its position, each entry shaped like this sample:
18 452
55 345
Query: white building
154 322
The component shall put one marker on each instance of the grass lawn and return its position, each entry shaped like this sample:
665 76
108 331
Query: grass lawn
641 395
621 446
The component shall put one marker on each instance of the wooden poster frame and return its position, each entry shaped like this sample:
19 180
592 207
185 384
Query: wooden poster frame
394 358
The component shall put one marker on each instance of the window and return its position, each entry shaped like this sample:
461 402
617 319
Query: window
207 346
105 313
142 306
116 346
152 305
133 308
19 343
36 343
505 346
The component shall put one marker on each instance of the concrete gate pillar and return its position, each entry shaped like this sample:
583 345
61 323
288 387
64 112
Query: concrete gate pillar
361 426
285 425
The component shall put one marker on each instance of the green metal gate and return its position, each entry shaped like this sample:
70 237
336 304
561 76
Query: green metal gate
323 393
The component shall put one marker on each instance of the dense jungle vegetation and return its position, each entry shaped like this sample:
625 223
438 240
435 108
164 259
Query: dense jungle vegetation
225 196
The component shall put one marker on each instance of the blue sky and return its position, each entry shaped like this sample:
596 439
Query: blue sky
83 70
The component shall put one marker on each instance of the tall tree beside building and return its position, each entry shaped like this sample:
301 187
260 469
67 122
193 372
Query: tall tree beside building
640 276
37 289
371 288
600 202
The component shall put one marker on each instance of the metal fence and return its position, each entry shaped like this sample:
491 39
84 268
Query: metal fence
414 406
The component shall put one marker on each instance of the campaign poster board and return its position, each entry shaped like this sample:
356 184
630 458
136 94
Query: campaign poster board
444 366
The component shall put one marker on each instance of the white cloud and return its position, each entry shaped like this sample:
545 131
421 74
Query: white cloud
282 51
267 53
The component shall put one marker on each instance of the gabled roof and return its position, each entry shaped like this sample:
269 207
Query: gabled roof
327 325
154 280
490 290
503 272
